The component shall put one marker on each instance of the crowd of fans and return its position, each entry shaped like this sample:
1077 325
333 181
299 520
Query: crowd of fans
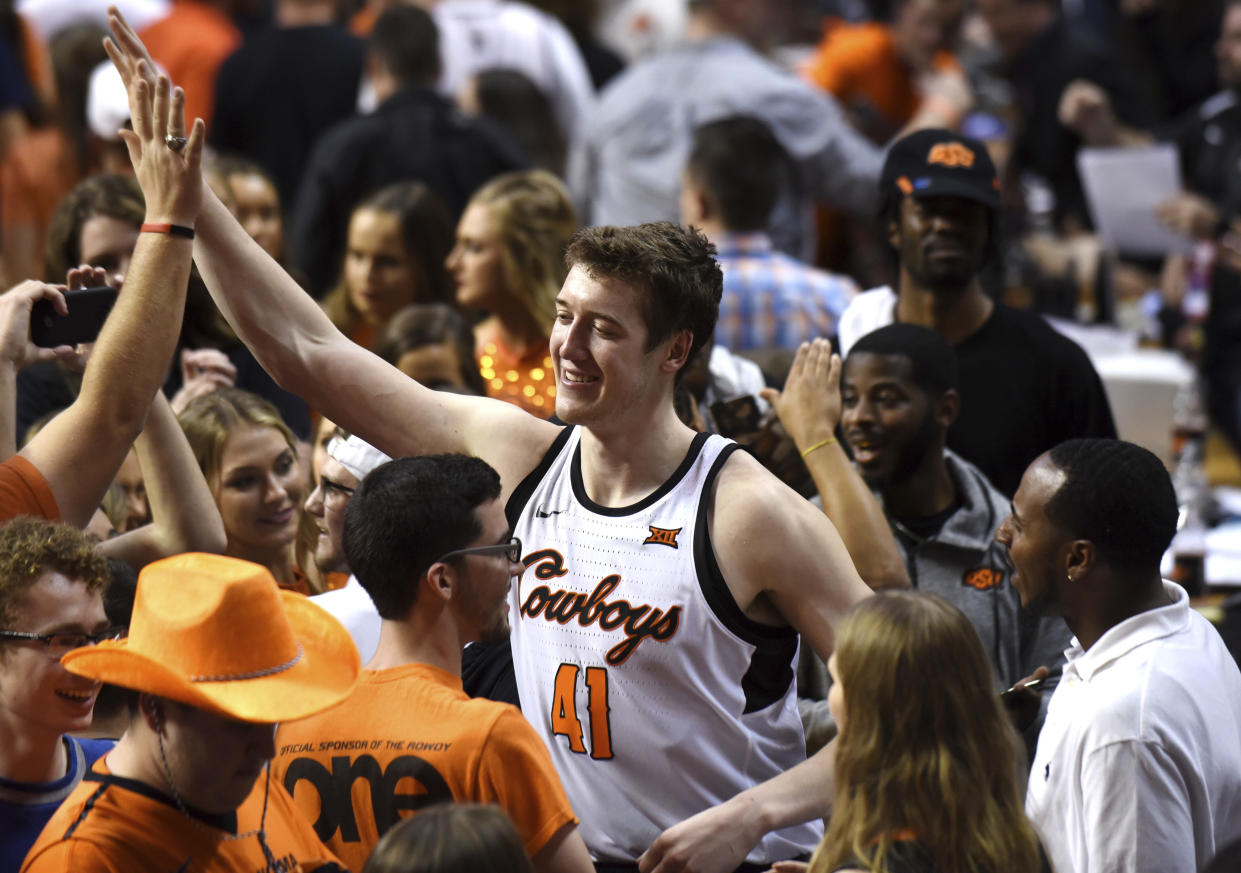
626 435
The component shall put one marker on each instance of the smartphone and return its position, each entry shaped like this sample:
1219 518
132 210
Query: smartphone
737 417
1010 695
88 309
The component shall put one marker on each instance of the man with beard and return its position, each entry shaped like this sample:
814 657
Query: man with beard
1024 387
428 539
895 401
1138 766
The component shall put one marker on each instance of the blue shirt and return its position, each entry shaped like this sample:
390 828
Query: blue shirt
25 807
772 300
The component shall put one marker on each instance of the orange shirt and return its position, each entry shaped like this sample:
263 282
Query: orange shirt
191 42
37 173
859 65
115 825
408 737
522 378
24 491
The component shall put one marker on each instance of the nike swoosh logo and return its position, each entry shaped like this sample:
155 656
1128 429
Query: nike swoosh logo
545 513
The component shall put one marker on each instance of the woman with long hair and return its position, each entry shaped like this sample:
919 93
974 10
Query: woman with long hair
250 460
509 263
929 769
394 256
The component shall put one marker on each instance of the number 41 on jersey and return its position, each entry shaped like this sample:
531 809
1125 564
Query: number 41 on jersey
565 720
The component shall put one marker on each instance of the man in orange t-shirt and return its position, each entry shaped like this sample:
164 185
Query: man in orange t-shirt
428 539
187 786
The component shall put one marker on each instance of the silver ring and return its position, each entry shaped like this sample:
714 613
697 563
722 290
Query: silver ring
176 143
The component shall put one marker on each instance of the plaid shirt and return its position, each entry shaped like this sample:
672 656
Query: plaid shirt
772 300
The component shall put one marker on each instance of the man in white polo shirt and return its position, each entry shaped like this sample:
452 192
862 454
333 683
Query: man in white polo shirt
1138 765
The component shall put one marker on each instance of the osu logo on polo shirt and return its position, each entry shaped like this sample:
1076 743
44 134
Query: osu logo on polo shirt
983 578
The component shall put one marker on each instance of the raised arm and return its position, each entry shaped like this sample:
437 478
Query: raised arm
184 517
297 344
80 450
809 409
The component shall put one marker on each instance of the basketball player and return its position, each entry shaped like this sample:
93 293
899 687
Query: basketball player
668 574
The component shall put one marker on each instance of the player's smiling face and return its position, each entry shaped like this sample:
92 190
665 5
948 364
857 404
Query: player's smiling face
598 348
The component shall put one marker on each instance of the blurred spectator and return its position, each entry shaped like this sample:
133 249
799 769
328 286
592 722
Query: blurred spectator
191 42
509 262
735 174
1165 46
249 458
581 17
510 99
286 86
50 17
414 135
1055 101
478 35
434 345
49 160
1024 387
394 256
251 194
451 838
886 74
628 168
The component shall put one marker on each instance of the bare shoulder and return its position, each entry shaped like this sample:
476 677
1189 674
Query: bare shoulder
780 557
748 495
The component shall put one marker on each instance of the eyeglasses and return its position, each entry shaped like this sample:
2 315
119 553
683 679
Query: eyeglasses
334 491
65 641
510 550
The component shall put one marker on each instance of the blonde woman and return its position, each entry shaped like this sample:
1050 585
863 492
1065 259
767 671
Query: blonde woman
250 460
509 263
929 770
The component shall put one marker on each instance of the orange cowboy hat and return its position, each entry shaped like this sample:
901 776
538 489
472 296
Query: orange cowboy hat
218 634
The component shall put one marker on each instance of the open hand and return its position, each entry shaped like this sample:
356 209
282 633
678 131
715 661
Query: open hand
809 405
715 840
171 178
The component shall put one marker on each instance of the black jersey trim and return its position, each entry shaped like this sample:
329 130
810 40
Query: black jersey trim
579 487
225 822
86 808
770 673
525 489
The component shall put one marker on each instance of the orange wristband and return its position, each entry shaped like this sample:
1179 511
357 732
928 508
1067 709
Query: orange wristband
173 229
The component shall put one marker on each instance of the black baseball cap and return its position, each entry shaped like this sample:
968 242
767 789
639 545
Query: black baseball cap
939 163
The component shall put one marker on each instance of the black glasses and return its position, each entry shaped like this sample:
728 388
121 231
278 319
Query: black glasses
60 642
510 550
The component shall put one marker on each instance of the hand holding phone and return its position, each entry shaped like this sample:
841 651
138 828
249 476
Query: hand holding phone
88 309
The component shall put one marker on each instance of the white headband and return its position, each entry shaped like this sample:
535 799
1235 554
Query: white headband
356 455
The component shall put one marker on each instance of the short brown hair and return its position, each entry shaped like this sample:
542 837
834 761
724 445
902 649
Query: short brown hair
30 547
673 266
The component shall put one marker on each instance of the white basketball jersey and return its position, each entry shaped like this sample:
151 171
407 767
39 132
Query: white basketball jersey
657 697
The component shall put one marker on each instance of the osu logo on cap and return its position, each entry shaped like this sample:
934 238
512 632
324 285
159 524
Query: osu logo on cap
951 154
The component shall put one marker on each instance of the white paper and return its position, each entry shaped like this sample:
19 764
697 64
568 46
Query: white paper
1123 187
